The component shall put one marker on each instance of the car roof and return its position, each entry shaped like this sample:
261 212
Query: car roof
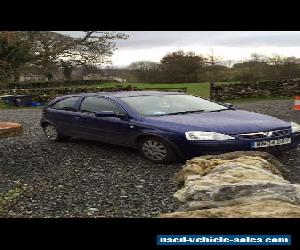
142 93
120 94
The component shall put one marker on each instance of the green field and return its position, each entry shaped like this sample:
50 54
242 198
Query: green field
200 89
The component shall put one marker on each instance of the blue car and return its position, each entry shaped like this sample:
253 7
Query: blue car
165 126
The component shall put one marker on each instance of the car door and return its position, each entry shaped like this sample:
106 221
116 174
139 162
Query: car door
61 114
106 129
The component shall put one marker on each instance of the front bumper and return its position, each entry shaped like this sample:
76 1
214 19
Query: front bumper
190 149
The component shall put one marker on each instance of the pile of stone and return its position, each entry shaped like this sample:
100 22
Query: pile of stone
237 184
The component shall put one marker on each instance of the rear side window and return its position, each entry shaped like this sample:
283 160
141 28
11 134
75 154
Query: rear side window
98 104
66 104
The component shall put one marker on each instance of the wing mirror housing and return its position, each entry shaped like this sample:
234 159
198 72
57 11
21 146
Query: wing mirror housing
229 105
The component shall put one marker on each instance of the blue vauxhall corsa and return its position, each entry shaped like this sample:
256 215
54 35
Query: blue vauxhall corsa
165 126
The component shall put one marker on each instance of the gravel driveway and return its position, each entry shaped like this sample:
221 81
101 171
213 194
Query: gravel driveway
87 179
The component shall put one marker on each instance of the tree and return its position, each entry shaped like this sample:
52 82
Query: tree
145 71
91 69
252 69
48 49
67 69
283 67
14 53
213 68
290 68
255 57
182 67
94 48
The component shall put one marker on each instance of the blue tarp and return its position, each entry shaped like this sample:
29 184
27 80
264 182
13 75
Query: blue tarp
17 100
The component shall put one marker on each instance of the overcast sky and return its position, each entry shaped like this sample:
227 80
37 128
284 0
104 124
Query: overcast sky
234 45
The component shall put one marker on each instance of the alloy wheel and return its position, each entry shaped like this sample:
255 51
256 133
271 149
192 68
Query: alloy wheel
154 150
51 132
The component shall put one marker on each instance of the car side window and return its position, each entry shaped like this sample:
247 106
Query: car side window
66 104
98 104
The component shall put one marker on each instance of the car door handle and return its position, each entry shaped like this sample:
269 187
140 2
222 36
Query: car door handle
76 118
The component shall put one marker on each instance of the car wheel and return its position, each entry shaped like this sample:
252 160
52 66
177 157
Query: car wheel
157 150
52 134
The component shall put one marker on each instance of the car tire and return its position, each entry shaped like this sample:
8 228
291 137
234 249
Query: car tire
52 133
157 150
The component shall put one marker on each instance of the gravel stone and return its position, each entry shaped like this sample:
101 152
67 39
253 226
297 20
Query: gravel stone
81 178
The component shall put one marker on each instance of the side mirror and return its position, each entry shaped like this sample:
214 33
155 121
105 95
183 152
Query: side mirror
229 105
122 117
105 114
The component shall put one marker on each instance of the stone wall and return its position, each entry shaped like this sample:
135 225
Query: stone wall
44 95
54 84
284 88
238 184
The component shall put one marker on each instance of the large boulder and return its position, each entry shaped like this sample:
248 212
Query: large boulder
253 209
205 164
232 183
222 184
233 155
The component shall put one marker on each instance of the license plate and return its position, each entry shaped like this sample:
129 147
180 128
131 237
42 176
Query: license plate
270 143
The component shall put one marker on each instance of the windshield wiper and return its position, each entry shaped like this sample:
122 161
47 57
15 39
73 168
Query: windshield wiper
185 112
218 110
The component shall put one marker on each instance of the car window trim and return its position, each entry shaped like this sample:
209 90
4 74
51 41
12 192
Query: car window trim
104 97
64 98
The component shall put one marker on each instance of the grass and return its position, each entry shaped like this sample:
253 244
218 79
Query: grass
3 106
200 89
10 197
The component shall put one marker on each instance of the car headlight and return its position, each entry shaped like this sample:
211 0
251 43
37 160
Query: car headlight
206 136
295 127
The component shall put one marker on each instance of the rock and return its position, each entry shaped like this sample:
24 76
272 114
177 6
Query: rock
205 164
10 129
92 209
259 209
225 185
234 182
233 155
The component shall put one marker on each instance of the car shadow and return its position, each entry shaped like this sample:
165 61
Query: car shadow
118 150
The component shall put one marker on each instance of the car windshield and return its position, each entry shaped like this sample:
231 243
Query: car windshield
170 104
